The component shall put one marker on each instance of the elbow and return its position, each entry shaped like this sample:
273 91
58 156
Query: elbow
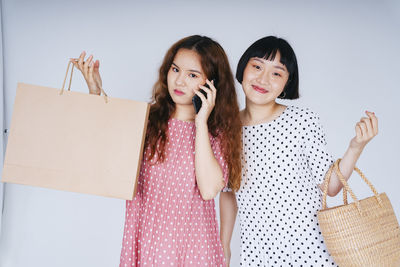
332 193
208 194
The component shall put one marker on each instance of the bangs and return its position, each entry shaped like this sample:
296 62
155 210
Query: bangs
269 51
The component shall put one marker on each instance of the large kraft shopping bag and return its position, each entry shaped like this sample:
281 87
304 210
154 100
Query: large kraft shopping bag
75 141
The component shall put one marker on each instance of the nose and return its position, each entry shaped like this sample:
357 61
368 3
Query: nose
263 78
180 79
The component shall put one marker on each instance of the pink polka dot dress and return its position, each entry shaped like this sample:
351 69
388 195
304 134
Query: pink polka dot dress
168 223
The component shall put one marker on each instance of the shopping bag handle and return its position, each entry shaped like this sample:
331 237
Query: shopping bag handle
70 80
346 187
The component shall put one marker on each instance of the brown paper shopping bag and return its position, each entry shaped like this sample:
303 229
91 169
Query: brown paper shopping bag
75 141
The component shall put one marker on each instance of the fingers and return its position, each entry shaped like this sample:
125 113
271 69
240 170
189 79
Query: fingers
374 121
90 71
358 132
368 126
211 92
213 89
202 97
363 128
371 124
86 65
80 60
208 92
75 62
96 65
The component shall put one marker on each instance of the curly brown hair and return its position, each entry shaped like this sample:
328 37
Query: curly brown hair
223 121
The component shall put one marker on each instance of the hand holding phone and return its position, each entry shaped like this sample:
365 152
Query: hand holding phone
196 100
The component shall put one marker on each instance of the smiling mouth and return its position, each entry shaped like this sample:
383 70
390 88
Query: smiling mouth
259 89
178 92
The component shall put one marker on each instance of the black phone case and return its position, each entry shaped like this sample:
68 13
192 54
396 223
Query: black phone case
196 100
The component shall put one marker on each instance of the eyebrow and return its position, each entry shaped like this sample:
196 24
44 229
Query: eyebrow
279 67
275 66
187 70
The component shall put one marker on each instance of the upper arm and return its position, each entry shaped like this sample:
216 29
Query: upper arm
216 146
318 157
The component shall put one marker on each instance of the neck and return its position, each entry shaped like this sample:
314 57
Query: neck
184 112
255 114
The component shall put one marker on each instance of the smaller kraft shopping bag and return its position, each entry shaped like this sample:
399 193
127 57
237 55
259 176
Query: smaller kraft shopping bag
364 233
76 142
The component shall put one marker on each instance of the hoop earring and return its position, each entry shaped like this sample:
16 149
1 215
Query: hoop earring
282 96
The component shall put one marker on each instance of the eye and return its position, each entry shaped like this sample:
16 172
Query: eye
192 75
174 69
257 67
277 74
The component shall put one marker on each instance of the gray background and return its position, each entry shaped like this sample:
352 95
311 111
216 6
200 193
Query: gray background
348 59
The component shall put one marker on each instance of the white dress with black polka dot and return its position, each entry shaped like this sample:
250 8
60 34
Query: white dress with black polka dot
284 161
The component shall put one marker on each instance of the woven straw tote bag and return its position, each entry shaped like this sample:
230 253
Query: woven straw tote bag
364 233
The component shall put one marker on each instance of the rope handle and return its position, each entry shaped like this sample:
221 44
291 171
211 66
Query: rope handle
376 194
70 80
346 187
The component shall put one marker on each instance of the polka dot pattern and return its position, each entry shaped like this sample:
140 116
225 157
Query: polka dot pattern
284 161
168 223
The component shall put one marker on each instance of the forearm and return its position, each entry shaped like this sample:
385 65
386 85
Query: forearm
346 167
228 212
366 129
209 176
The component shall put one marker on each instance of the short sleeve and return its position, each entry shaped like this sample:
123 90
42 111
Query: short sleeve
219 156
318 158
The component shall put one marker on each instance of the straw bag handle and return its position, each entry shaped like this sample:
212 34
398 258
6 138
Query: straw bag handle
366 181
346 186
70 80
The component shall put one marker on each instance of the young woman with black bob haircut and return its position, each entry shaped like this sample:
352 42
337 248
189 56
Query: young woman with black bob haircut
187 160
285 160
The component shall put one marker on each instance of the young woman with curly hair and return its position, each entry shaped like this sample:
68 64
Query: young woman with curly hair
188 158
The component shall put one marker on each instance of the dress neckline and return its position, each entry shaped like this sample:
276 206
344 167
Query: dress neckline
269 122
181 121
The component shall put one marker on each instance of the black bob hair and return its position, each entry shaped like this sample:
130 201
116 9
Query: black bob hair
267 48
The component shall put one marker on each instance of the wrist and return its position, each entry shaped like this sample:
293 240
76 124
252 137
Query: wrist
201 125
356 149
225 244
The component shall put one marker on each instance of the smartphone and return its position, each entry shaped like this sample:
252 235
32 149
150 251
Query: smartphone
196 100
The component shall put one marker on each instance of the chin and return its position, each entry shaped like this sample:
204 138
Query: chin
258 100
181 101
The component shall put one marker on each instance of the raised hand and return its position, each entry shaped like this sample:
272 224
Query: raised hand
207 104
90 71
366 129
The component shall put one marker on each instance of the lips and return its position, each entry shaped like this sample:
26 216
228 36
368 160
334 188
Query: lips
178 92
259 89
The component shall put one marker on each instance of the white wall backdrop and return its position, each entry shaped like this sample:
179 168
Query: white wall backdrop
348 57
